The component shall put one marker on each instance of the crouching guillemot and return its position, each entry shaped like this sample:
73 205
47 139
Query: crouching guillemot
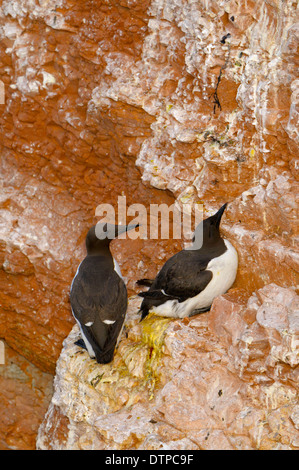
98 294
190 280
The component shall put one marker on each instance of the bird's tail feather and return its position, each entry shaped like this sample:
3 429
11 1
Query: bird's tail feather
102 357
144 282
144 312
81 343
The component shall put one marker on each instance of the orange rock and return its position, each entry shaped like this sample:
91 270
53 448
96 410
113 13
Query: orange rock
224 379
25 393
160 102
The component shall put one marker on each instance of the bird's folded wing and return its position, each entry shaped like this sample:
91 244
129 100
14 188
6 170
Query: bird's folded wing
103 336
104 302
182 276
186 287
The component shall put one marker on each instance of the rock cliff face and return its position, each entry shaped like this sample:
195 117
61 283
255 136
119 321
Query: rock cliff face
25 393
61 156
225 379
160 101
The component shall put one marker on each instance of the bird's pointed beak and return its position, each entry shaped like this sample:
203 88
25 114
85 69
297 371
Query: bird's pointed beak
110 231
217 217
120 229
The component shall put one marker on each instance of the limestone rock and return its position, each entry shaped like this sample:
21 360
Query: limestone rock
201 95
225 379
163 101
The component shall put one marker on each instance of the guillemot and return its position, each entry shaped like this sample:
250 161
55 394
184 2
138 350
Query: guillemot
99 295
190 280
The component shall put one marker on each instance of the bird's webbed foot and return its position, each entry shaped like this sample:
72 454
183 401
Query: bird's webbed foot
81 343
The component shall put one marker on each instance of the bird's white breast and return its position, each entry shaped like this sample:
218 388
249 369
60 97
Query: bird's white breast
75 275
224 269
117 268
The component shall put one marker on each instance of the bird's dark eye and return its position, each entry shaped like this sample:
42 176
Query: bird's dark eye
105 227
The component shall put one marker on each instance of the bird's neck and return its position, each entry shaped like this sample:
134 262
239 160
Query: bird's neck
209 244
100 251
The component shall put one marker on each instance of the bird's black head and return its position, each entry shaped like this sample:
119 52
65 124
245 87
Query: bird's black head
207 232
100 235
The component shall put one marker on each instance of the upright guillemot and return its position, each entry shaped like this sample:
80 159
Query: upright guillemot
98 294
191 279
